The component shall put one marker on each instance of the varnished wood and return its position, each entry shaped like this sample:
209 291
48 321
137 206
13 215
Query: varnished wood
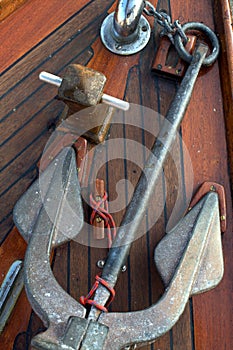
223 19
31 24
9 6
29 113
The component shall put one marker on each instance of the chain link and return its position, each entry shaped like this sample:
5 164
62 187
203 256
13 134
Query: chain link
169 28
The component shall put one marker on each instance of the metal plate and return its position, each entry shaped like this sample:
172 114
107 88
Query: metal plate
124 48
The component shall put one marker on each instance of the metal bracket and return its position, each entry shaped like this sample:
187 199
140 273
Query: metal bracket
122 47
168 62
126 31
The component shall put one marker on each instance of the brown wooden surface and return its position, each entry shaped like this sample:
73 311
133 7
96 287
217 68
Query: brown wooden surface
223 19
31 24
29 113
9 6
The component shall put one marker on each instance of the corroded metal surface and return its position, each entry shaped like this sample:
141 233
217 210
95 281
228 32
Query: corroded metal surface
82 123
170 250
193 266
28 207
53 305
189 264
144 326
82 85
167 61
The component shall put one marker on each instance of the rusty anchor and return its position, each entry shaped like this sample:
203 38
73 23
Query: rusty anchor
189 260
194 265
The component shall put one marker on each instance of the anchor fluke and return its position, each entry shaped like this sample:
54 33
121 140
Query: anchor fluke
168 253
190 261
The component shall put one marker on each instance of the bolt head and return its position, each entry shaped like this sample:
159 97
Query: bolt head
124 268
98 219
100 264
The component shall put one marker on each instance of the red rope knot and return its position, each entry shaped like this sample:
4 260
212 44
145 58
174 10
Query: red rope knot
88 301
100 214
101 219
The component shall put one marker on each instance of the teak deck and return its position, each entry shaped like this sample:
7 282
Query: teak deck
49 36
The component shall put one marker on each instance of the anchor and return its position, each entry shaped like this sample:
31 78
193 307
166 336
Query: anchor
189 258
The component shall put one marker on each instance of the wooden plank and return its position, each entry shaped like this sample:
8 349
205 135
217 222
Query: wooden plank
20 140
223 20
6 225
9 6
30 156
66 37
208 157
39 20
11 196
17 137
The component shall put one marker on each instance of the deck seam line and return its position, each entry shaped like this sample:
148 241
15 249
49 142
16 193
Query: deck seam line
21 152
46 60
28 97
45 38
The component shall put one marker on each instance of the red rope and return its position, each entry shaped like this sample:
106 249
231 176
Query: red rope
87 300
100 208
103 213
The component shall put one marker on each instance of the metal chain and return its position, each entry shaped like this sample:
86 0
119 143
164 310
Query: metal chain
176 33
169 28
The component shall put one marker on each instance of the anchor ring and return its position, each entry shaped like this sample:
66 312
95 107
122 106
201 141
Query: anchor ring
210 59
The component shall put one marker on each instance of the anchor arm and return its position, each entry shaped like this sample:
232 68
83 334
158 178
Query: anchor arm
53 305
68 329
201 225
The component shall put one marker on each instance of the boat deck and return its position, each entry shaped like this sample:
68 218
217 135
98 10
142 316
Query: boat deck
49 36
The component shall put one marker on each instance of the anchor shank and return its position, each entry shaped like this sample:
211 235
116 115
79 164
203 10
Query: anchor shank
148 180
